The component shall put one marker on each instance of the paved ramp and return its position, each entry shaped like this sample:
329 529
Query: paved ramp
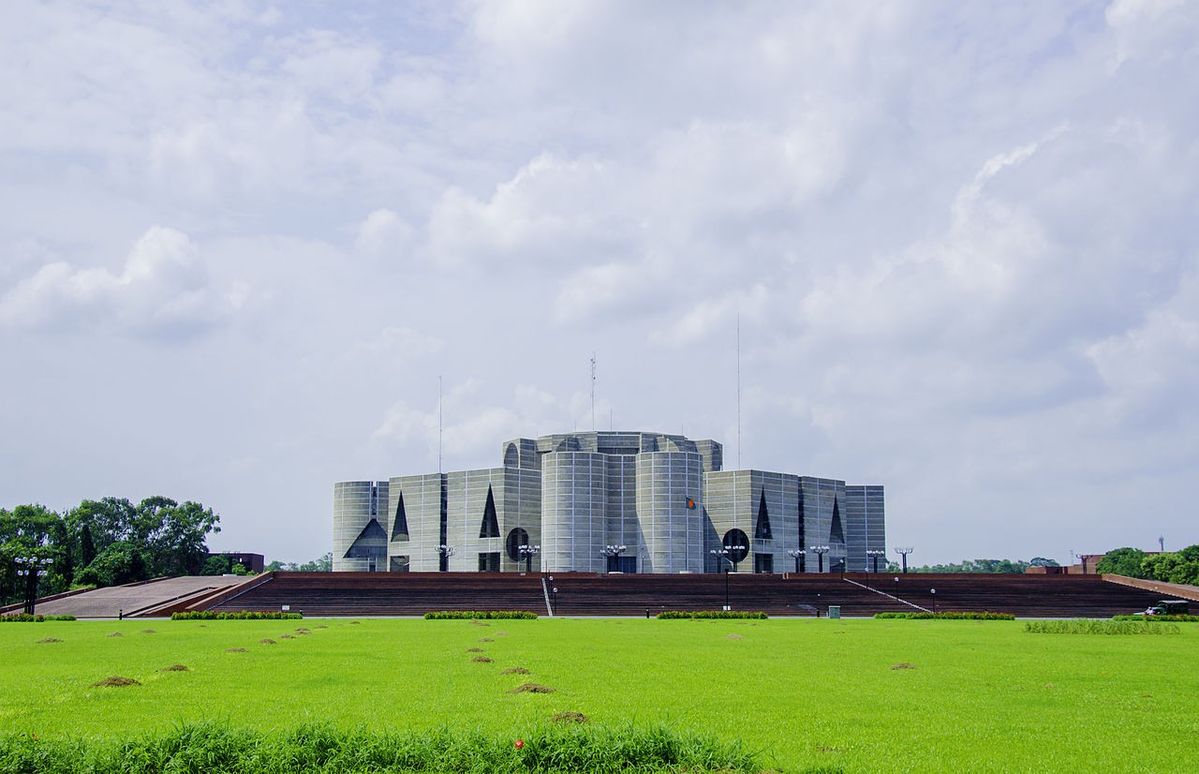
135 598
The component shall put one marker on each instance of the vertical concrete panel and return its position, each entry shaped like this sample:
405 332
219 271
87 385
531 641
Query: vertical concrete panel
355 503
673 532
574 498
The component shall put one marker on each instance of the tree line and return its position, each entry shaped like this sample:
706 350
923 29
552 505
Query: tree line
104 542
980 566
1168 566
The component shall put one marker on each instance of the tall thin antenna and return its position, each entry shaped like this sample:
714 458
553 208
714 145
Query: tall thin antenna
593 392
610 427
439 424
1161 543
738 391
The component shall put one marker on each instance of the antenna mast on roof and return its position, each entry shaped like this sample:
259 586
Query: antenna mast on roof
738 391
439 424
593 428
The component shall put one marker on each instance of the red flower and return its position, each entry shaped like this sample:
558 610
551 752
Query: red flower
519 744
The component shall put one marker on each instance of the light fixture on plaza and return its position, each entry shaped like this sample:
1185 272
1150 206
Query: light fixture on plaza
30 568
798 555
725 552
612 552
820 551
875 554
446 552
527 552
903 552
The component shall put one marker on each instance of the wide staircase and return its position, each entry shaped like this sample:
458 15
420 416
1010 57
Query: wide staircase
587 594
1049 596
143 599
366 593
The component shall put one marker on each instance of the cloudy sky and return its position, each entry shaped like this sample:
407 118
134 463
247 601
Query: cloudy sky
241 242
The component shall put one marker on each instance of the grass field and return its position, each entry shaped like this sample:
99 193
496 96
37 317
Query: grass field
861 695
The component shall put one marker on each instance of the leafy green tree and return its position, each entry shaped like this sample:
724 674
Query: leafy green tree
1123 561
1040 561
215 565
31 530
1175 566
173 535
121 562
239 569
87 546
108 520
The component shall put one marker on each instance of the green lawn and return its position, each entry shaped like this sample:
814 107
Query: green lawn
980 696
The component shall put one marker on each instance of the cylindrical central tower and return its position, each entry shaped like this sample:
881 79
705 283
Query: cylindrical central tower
573 503
670 509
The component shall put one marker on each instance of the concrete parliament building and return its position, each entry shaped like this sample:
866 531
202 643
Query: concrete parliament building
665 499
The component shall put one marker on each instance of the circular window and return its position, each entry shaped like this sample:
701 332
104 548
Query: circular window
737 543
516 538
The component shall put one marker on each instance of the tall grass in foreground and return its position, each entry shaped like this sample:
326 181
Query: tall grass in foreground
1086 626
209 748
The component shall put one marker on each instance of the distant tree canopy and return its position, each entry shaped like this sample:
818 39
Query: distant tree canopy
977 565
104 542
324 564
1169 567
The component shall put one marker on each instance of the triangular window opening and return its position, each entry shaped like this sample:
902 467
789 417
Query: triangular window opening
371 542
399 530
491 525
762 531
836 533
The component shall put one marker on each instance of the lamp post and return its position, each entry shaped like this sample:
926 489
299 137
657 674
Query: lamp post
934 593
527 552
446 552
903 552
612 552
820 551
797 554
723 553
875 554
29 568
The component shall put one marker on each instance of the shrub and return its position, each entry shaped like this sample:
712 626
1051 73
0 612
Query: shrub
956 615
1088 626
216 749
668 615
26 618
444 615
234 615
1176 618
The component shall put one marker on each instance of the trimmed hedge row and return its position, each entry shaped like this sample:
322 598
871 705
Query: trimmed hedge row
956 615
704 614
1173 618
235 615
215 749
26 618
1089 626
439 615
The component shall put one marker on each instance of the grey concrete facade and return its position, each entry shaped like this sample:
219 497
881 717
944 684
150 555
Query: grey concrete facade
664 498
359 540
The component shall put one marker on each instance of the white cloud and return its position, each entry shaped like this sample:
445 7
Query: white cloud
162 288
383 231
